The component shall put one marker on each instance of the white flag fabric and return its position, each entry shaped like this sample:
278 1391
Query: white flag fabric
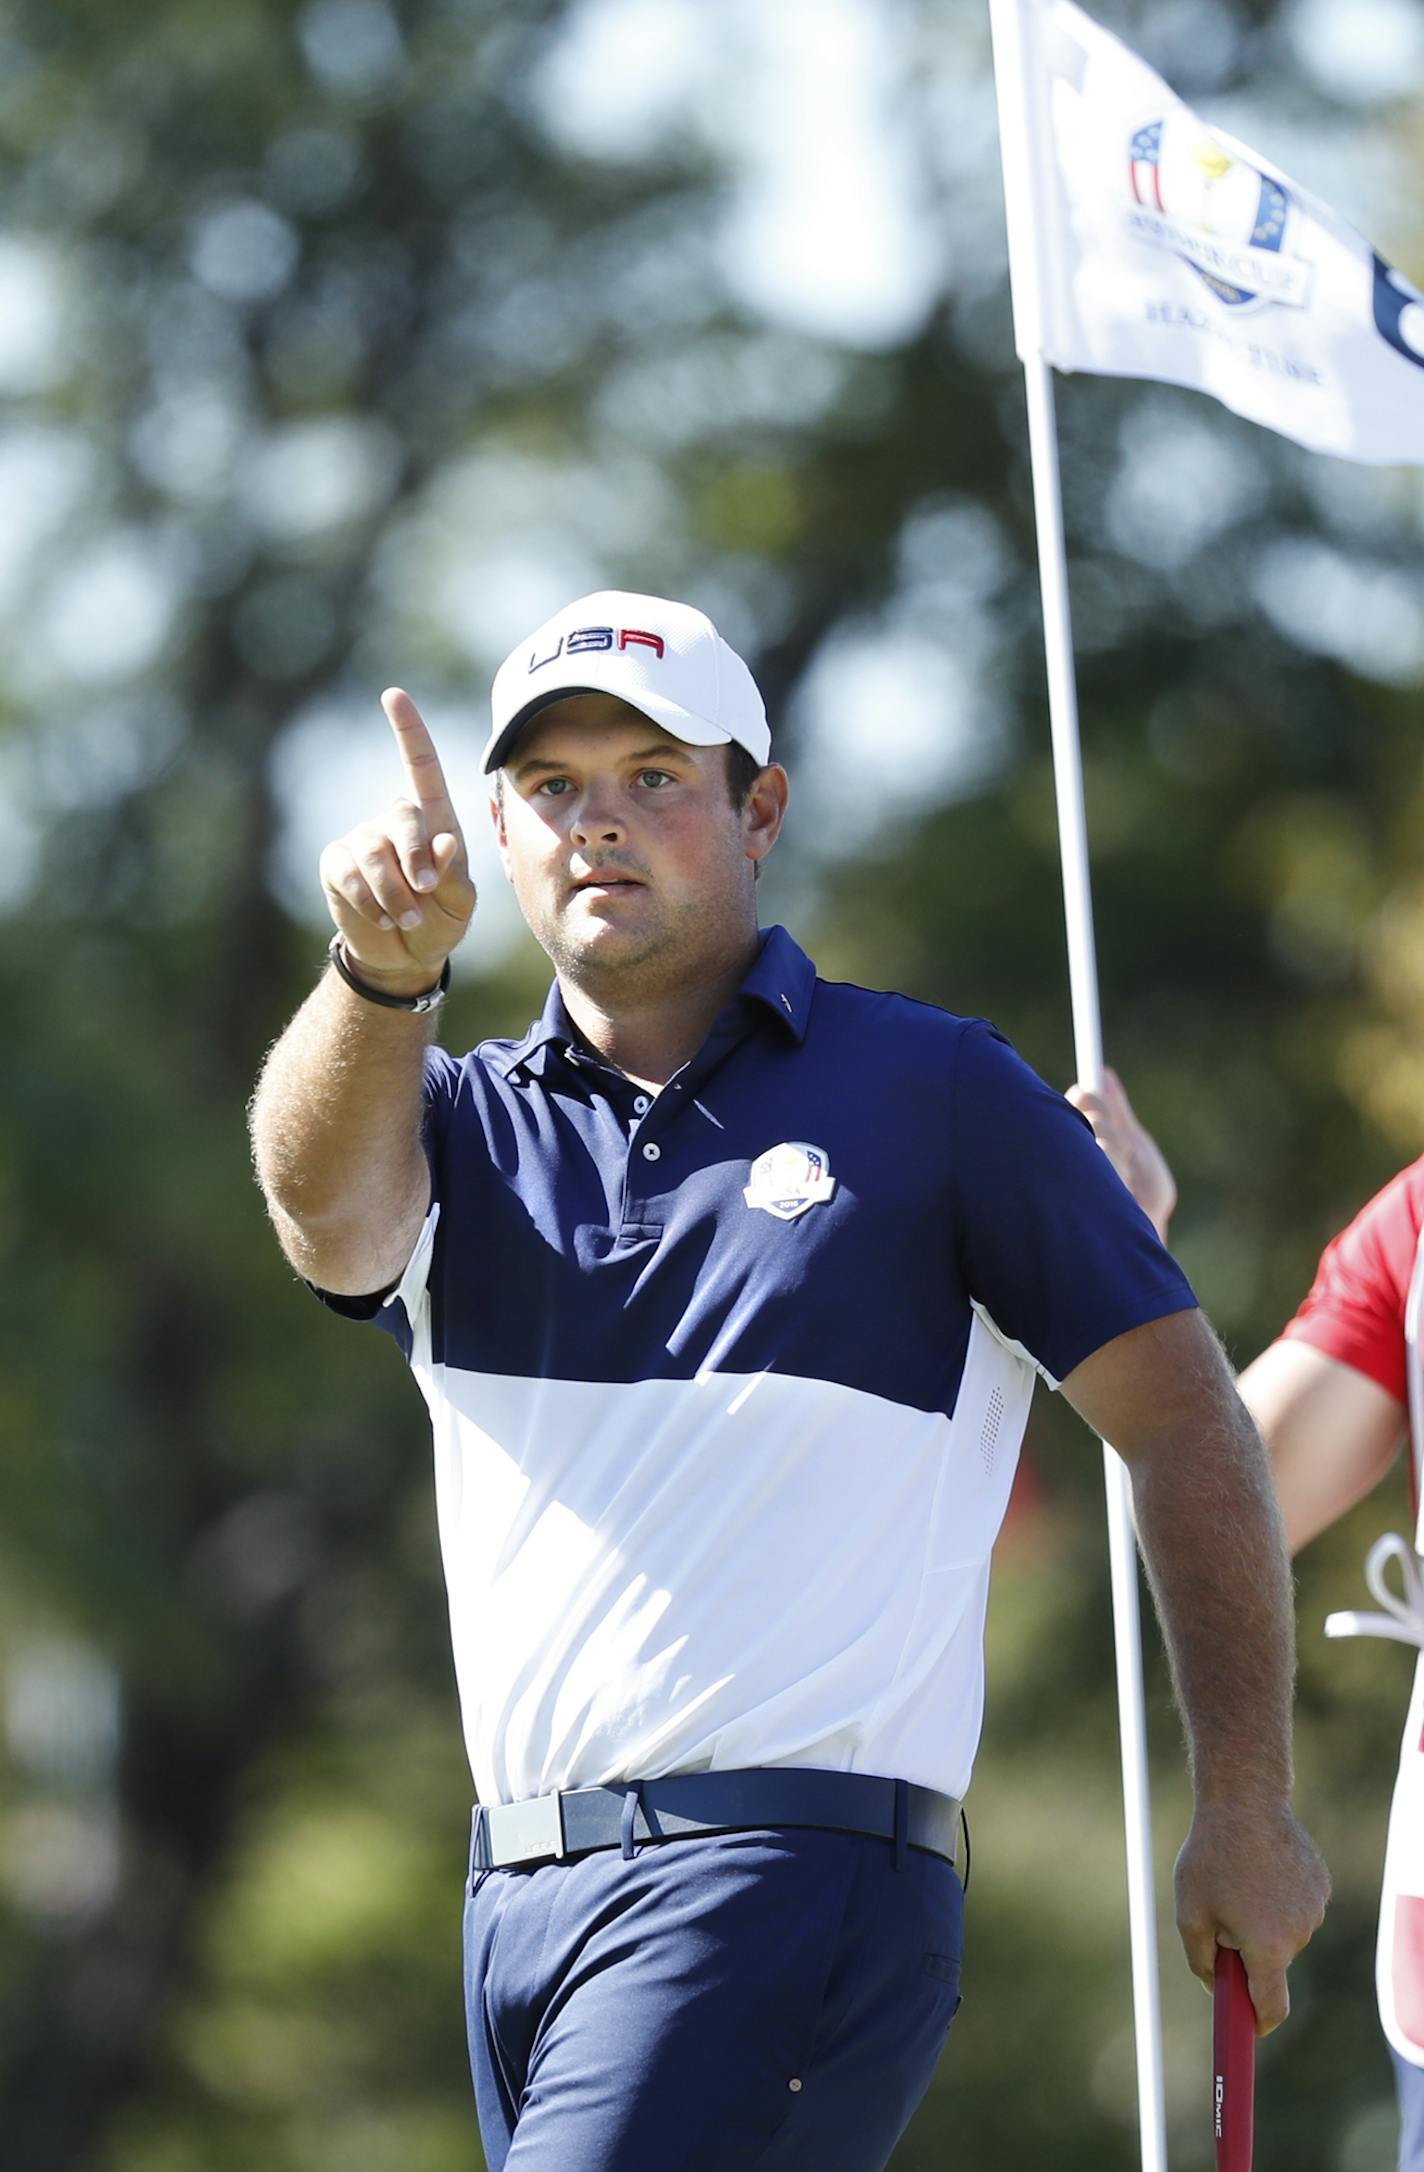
1143 243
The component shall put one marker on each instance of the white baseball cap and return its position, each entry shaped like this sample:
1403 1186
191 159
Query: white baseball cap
664 658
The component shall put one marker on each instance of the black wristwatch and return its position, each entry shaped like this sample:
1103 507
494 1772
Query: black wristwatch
430 1001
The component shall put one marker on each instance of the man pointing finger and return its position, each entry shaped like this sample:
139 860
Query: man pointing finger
399 888
727 1288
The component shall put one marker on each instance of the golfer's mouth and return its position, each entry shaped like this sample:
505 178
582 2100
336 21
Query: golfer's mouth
610 878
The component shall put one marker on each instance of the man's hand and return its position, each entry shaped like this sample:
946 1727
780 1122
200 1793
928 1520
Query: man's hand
399 888
1131 1149
1253 1881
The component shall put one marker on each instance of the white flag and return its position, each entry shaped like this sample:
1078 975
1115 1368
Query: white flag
1144 244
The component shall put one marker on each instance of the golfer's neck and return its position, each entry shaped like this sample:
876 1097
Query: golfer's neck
651 1036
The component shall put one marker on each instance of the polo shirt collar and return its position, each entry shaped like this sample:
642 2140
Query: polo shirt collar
784 980
781 979
550 1035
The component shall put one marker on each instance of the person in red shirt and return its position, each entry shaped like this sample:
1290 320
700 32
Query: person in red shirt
1337 1395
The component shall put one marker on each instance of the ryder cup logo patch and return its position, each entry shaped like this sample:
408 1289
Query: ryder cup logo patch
1221 215
788 1179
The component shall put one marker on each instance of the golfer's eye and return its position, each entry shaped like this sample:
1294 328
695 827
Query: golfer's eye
655 778
553 788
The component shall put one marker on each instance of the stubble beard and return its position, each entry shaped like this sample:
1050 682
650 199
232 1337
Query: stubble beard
687 945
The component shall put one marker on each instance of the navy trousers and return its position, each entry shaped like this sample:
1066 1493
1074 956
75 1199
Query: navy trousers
1411 2113
773 1999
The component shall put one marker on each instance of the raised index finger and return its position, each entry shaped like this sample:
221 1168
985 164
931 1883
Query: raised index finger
420 761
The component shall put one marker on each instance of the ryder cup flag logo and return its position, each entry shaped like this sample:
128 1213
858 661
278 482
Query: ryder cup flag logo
1216 212
788 1179
1144 243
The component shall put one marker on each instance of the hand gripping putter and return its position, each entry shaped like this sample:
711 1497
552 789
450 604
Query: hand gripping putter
1233 2045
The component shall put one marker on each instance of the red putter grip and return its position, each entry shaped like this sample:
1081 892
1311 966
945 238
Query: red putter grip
1233 2044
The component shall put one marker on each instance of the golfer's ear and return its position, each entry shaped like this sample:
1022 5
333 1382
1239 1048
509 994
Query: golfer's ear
766 810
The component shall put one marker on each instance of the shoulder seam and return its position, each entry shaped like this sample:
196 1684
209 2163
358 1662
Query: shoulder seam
914 1003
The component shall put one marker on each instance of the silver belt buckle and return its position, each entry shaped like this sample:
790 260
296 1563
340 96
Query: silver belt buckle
521 1832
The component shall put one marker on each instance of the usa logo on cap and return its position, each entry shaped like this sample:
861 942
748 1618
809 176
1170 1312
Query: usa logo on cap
788 1179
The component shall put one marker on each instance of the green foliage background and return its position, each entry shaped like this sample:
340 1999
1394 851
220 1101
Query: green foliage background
347 249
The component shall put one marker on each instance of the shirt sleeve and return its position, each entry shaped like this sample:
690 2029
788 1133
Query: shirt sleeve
396 1307
1054 1247
1355 1308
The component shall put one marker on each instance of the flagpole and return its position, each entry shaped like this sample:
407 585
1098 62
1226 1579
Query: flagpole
1088 1059
1016 138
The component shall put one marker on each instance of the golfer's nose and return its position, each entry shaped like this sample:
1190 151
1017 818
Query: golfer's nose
598 819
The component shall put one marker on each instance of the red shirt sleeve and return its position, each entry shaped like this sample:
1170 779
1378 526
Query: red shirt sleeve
1355 1309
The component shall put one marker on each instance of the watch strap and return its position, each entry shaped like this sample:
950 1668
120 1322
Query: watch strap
430 1001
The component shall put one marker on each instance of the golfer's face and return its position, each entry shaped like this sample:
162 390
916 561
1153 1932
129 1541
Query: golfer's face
621 842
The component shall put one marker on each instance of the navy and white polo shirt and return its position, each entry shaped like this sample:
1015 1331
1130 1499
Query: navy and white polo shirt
728 1383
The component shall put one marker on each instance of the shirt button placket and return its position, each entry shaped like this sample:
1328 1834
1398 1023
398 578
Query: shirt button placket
661 1110
644 1154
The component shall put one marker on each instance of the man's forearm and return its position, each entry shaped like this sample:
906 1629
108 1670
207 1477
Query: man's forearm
1247 1875
1215 1551
336 1121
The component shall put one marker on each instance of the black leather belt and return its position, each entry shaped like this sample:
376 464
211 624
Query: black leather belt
551 1828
